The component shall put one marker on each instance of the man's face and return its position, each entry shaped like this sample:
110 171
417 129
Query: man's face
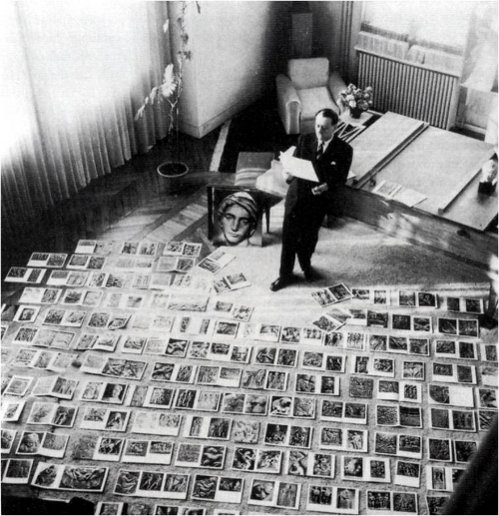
235 224
324 128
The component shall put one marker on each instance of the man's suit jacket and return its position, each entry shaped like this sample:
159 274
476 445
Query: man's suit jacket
331 168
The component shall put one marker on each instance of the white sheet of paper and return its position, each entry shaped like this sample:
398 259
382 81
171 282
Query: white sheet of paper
298 167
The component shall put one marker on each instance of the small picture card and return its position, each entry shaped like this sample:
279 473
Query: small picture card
442 478
7 438
198 400
97 418
173 372
46 296
439 449
201 456
452 419
436 503
12 410
77 279
344 412
377 319
25 275
288 435
362 294
201 427
453 373
108 448
217 489
407 298
402 445
273 493
86 246
332 499
334 438
419 346
26 313
398 415
290 334
365 469
317 384
362 364
157 422
105 392
114 508
310 464
18 385
225 376
17 471
69 477
257 460
215 261
361 387
231 282
151 484
54 414
457 395
407 473
246 432
399 391
427 300
464 450
488 352
382 502
52 260
48 444
413 370
148 451
421 324
488 374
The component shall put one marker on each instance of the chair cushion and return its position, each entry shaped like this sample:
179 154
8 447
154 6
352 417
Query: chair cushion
308 73
314 99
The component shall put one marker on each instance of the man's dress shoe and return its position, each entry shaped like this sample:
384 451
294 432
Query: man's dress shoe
279 283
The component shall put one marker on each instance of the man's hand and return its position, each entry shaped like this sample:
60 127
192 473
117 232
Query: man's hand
318 190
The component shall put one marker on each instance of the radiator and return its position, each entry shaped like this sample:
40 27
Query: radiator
409 89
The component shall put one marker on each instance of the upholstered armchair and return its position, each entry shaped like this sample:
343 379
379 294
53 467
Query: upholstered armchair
307 88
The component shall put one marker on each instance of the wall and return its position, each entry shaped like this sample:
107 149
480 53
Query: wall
237 49
336 25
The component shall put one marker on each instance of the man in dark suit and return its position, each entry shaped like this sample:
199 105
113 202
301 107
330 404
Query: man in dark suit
307 202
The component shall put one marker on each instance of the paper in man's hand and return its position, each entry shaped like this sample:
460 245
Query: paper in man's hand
298 167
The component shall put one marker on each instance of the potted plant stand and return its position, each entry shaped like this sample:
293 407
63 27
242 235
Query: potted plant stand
171 176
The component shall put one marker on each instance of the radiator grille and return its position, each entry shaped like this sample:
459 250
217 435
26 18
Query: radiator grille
409 90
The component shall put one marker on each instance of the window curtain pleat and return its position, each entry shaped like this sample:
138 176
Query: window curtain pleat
78 72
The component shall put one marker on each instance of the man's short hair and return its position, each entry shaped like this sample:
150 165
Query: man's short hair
328 113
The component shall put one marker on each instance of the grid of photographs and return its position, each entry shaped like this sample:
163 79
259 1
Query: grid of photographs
133 362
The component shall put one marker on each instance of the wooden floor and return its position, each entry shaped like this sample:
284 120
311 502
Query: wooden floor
349 251
128 203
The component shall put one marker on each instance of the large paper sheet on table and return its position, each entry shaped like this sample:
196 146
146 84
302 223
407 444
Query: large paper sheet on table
380 142
298 167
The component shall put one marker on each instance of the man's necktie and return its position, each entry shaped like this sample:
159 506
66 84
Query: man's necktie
320 150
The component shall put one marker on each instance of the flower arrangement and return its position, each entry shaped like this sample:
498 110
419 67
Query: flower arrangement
356 99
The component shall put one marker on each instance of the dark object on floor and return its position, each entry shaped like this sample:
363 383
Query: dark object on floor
280 283
24 505
476 492
486 188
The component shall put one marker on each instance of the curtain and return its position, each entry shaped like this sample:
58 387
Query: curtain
75 75
443 23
